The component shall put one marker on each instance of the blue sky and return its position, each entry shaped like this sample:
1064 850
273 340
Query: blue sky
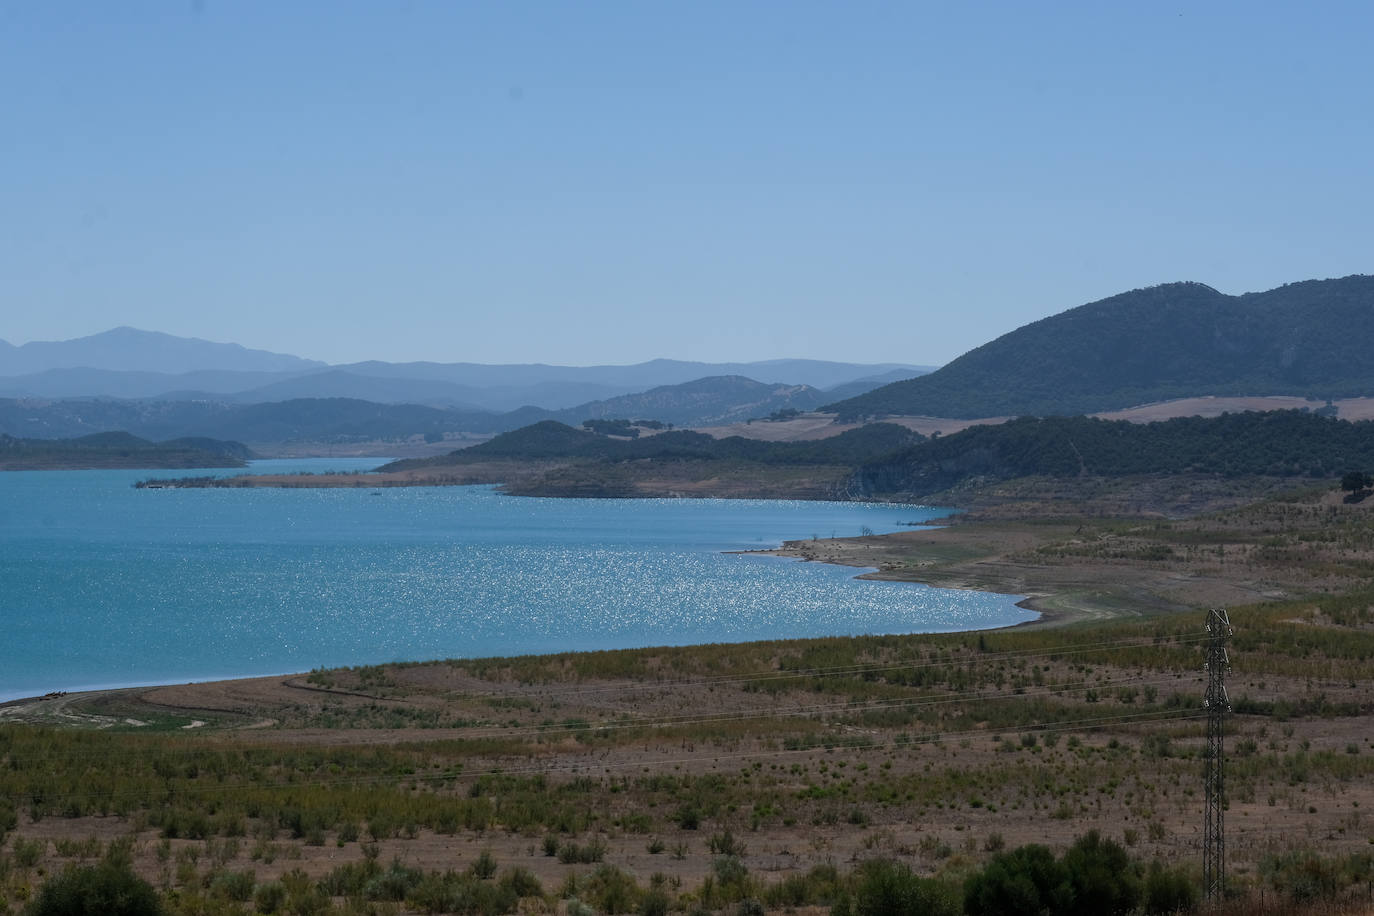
611 182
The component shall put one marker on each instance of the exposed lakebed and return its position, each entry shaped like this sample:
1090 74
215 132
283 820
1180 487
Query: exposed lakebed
102 584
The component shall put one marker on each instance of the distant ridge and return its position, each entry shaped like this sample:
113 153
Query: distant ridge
129 363
1172 341
125 349
707 401
703 402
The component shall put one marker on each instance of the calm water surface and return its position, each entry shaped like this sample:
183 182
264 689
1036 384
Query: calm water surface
102 584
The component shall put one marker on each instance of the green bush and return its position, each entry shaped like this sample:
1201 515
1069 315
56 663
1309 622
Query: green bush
820 886
887 888
1102 876
28 852
452 892
1169 890
100 890
1028 880
484 866
270 897
611 891
521 882
655 903
1303 876
234 885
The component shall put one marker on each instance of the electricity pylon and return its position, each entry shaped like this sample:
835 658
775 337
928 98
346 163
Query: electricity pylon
1217 706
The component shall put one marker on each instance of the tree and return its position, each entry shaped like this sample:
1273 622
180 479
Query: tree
1355 481
1101 875
1026 881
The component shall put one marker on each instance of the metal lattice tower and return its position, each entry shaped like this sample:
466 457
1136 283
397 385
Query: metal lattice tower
1217 706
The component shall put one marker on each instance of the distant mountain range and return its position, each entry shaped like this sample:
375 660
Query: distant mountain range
128 363
1166 342
702 402
1172 341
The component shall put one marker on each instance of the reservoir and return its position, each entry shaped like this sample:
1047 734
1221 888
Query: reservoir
105 585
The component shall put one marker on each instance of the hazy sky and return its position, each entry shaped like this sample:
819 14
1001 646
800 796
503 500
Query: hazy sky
586 182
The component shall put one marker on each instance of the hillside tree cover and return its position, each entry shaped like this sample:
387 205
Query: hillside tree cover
550 439
1155 344
1285 443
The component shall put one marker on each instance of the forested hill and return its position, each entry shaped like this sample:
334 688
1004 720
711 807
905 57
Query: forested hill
1171 341
552 440
1275 444
119 450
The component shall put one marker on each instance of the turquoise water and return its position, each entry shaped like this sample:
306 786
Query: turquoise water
102 584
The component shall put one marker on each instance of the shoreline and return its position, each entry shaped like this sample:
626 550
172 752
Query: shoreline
1081 595
1046 617
1052 607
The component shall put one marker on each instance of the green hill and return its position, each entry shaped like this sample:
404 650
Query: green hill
1171 341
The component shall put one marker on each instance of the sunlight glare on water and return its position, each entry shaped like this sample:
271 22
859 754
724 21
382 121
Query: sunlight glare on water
104 584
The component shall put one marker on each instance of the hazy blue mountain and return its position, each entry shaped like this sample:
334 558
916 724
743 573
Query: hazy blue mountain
702 402
632 378
304 419
1171 341
109 383
869 383
337 383
128 363
129 349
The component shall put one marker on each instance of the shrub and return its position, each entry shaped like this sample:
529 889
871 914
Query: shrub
887 888
234 885
393 884
574 854
611 890
100 890
484 866
1169 890
688 817
725 844
28 852
521 882
1302 876
655 903
818 887
9 819
270 897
